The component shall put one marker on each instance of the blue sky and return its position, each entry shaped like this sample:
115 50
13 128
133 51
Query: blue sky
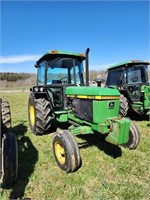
113 30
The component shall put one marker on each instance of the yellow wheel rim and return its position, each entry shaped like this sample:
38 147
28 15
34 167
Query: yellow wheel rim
60 152
32 115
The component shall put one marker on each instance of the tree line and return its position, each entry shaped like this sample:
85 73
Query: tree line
17 79
8 79
14 76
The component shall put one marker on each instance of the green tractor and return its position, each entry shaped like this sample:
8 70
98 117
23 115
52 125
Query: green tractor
8 147
131 79
62 95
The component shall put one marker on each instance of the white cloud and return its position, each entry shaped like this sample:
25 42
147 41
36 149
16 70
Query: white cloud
29 58
18 59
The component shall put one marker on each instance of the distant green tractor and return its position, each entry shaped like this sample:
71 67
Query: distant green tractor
131 79
8 147
62 95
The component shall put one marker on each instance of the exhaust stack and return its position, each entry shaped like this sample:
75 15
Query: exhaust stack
87 66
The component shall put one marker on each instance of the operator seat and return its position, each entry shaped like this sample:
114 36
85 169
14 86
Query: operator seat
56 82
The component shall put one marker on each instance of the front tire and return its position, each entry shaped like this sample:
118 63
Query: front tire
66 151
39 114
134 137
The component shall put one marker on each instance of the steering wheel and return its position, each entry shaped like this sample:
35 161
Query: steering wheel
65 79
134 79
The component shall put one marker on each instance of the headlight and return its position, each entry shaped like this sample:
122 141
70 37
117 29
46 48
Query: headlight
36 89
41 89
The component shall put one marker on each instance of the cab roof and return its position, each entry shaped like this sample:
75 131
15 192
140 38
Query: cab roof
126 63
52 54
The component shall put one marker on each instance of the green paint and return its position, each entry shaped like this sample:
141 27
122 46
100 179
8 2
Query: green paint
63 53
61 116
102 110
137 106
77 120
146 90
91 91
116 128
104 128
55 53
119 131
105 114
145 105
80 130
125 63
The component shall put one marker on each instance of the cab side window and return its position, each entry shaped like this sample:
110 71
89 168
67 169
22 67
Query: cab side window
41 73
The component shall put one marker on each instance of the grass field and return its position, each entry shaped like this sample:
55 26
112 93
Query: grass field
107 171
21 89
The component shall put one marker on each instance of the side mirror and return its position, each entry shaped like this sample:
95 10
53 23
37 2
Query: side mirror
36 65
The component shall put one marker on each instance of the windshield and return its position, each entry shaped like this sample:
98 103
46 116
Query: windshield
114 77
137 74
64 71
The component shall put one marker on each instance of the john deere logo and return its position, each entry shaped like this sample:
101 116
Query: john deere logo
111 105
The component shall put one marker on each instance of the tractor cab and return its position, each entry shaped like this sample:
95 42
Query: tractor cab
57 67
131 78
57 70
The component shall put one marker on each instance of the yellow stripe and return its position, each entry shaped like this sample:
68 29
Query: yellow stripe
93 97
98 97
110 97
72 96
81 96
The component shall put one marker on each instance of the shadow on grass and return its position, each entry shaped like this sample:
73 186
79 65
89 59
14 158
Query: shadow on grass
134 116
55 124
99 141
27 158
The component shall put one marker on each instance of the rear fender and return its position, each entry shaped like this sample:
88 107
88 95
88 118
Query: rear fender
146 90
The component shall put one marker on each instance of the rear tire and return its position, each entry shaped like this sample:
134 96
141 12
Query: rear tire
39 114
124 107
66 151
9 159
134 137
